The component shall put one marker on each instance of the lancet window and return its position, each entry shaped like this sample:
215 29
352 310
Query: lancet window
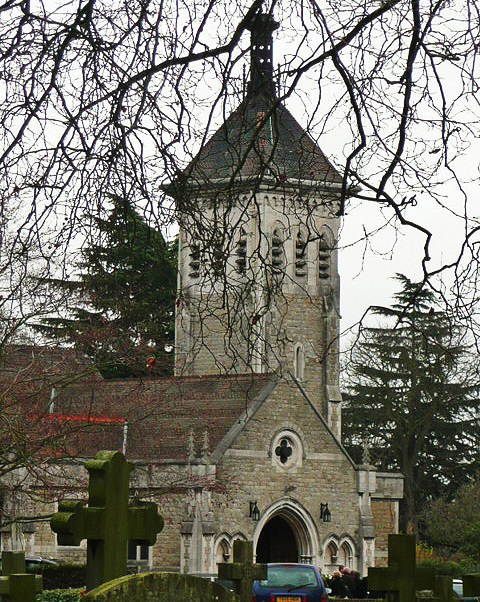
299 361
346 555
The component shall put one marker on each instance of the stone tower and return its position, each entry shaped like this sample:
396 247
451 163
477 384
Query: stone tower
258 280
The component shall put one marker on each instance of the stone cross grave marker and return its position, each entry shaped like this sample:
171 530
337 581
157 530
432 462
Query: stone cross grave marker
16 585
107 523
402 578
242 571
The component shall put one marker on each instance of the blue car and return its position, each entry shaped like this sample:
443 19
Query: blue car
291 583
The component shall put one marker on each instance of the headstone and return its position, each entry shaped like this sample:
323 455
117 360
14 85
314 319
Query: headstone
107 523
402 578
444 588
16 585
242 571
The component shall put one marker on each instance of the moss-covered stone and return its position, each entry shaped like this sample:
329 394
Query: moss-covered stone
15 584
242 571
160 587
107 523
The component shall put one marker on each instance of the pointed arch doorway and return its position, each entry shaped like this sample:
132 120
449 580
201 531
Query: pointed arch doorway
277 542
286 533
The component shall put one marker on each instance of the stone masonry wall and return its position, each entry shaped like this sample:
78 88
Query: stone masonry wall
324 476
165 553
299 320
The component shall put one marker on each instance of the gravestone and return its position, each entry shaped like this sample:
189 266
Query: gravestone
471 585
107 523
402 578
16 585
242 571
444 588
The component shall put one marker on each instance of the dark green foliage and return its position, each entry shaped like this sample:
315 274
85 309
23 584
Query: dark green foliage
56 576
412 394
471 542
443 567
452 526
60 595
121 310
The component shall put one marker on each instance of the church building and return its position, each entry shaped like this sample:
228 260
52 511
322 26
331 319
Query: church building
245 440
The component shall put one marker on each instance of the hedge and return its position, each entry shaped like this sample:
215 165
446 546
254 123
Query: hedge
60 595
60 576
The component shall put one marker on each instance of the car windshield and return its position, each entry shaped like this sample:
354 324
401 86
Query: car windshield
290 576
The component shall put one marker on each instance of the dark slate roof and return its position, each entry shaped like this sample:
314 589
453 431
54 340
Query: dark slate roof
161 413
244 149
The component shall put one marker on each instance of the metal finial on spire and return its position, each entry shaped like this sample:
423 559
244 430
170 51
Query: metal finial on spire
261 28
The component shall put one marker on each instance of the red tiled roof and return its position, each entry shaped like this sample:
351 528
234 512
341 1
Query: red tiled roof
46 365
161 413
87 413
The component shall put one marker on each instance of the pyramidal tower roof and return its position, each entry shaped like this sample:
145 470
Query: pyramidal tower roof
261 141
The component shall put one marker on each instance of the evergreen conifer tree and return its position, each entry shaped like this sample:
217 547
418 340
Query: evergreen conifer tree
120 312
412 394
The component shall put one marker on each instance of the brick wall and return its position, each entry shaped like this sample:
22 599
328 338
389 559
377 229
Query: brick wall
384 516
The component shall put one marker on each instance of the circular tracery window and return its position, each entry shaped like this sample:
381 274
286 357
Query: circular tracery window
286 449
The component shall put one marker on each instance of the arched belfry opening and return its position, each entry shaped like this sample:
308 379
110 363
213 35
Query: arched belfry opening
277 542
287 533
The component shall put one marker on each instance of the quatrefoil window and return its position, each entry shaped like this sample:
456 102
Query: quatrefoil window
284 450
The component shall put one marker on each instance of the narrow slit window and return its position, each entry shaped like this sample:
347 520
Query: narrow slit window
299 362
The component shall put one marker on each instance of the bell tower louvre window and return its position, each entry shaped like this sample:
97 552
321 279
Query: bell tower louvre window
241 252
194 263
324 258
218 257
277 252
300 256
